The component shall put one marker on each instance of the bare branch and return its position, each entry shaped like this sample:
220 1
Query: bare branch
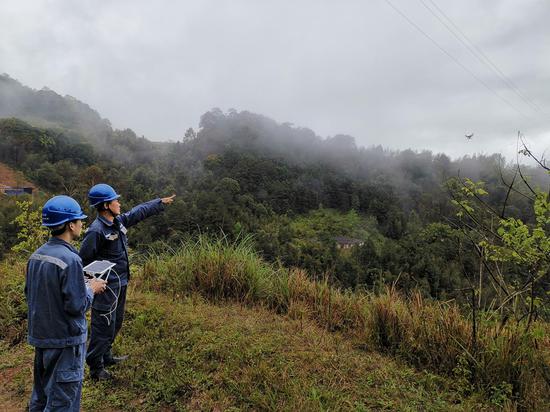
525 181
541 162
480 254
508 192
513 189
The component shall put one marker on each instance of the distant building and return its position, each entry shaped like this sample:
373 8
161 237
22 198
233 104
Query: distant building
15 191
347 242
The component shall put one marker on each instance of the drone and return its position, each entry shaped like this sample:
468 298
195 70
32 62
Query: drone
469 136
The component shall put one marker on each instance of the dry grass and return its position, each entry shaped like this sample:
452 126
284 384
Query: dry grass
508 364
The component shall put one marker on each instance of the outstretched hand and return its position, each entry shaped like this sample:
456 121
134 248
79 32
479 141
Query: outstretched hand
167 200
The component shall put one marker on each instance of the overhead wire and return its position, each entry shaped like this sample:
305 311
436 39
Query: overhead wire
444 51
477 52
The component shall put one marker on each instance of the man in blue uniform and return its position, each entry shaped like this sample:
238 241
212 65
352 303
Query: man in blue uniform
58 298
106 239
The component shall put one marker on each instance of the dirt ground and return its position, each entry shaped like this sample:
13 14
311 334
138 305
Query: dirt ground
15 377
12 178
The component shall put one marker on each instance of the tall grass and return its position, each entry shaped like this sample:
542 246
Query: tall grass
215 268
13 306
223 270
508 363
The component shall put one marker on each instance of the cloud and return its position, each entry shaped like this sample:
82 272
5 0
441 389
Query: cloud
353 67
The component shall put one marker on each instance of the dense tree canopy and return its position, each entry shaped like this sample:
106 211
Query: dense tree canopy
244 173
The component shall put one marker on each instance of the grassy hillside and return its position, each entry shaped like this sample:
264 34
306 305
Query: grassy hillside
190 354
211 326
200 356
502 359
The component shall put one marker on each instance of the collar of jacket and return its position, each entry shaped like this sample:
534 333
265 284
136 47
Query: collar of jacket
105 221
56 241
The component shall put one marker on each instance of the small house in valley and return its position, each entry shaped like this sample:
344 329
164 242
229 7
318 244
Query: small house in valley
343 242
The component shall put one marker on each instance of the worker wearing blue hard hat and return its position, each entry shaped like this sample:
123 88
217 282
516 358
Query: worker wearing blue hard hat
58 298
101 193
106 239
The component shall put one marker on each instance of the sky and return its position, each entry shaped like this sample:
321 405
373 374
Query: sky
387 72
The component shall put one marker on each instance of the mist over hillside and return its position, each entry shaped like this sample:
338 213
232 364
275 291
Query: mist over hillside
47 108
242 172
248 132
331 172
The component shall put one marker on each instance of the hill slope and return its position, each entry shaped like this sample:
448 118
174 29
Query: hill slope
10 177
199 356
47 108
212 337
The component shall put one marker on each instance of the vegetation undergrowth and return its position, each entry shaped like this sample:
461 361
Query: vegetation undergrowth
13 307
503 360
189 354
507 364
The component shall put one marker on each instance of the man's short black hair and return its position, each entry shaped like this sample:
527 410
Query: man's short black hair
60 229
100 206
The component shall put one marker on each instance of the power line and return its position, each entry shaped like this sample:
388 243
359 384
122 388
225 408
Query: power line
478 53
466 69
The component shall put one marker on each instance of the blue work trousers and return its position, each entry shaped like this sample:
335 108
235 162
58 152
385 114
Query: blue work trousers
58 375
105 326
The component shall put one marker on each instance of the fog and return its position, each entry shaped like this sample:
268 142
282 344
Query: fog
387 76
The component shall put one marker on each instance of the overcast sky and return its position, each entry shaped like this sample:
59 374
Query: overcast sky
337 67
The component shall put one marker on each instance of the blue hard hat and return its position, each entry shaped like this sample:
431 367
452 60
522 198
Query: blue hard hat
61 209
101 193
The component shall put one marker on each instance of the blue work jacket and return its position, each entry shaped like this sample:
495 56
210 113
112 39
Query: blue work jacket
57 296
106 240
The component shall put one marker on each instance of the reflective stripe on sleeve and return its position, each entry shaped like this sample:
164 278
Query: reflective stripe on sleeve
49 259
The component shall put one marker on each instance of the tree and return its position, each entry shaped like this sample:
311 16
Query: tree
190 135
31 232
514 255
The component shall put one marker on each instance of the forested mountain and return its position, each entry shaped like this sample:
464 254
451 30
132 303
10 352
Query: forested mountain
243 173
48 108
